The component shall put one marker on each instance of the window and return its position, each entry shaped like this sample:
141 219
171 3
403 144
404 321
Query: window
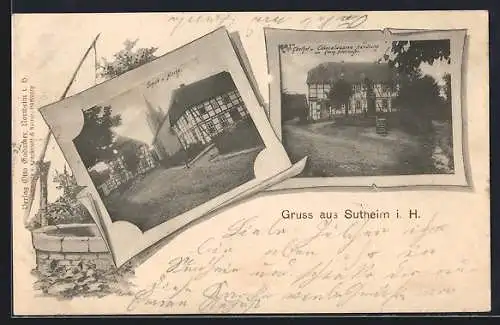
313 91
358 105
385 105
217 124
211 127
214 103
233 95
226 100
202 110
198 133
321 91
223 121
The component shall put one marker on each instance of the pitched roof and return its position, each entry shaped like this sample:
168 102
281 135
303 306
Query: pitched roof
198 92
354 72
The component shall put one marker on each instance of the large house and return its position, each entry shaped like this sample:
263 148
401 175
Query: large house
198 112
321 78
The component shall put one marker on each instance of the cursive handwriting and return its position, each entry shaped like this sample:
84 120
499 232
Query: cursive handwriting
219 298
254 262
249 25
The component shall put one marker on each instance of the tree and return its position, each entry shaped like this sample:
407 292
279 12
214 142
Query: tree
126 59
95 141
418 101
446 112
447 88
340 93
131 157
407 56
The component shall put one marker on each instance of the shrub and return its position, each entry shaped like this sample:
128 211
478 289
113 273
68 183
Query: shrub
62 212
84 280
242 135
66 209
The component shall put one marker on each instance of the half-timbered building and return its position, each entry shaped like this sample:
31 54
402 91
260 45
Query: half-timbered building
370 82
201 110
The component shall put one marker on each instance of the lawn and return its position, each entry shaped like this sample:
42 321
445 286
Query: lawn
350 150
166 193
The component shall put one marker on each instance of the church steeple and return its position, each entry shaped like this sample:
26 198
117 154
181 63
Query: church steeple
154 117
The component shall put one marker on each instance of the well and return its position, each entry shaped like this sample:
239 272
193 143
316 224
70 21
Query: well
70 245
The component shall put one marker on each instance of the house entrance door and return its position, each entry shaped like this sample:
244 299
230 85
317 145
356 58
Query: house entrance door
324 112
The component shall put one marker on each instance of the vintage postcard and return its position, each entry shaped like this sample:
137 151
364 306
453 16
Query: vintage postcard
370 108
150 196
164 144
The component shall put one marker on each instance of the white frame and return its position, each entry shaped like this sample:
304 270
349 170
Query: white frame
274 37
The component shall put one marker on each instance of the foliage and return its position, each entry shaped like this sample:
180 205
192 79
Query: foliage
293 105
407 56
131 157
446 111
62 211
84 279
447 88
418 101
66 209
240 136
94 143
194 150
67 183
339 94
126 59
99 177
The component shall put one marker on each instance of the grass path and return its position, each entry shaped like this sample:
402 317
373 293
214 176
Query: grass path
336 150
166 193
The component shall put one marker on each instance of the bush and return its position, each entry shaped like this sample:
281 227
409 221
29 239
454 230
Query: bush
414 123
62 212
194 150
181 156
242 135
84 280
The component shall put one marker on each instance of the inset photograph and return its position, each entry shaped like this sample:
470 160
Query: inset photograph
153 155
369 106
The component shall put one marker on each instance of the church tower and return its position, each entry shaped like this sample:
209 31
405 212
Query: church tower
154 117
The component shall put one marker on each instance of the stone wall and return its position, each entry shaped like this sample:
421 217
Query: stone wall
58 246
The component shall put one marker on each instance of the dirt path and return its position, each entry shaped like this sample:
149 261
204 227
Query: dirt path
348 150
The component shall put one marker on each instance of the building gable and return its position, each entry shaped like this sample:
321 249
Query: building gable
188 95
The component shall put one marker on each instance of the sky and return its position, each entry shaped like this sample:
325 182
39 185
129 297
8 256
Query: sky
131 105
294 67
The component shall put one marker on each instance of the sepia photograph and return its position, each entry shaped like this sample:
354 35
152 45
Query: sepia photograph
380 113
154 155
368 108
